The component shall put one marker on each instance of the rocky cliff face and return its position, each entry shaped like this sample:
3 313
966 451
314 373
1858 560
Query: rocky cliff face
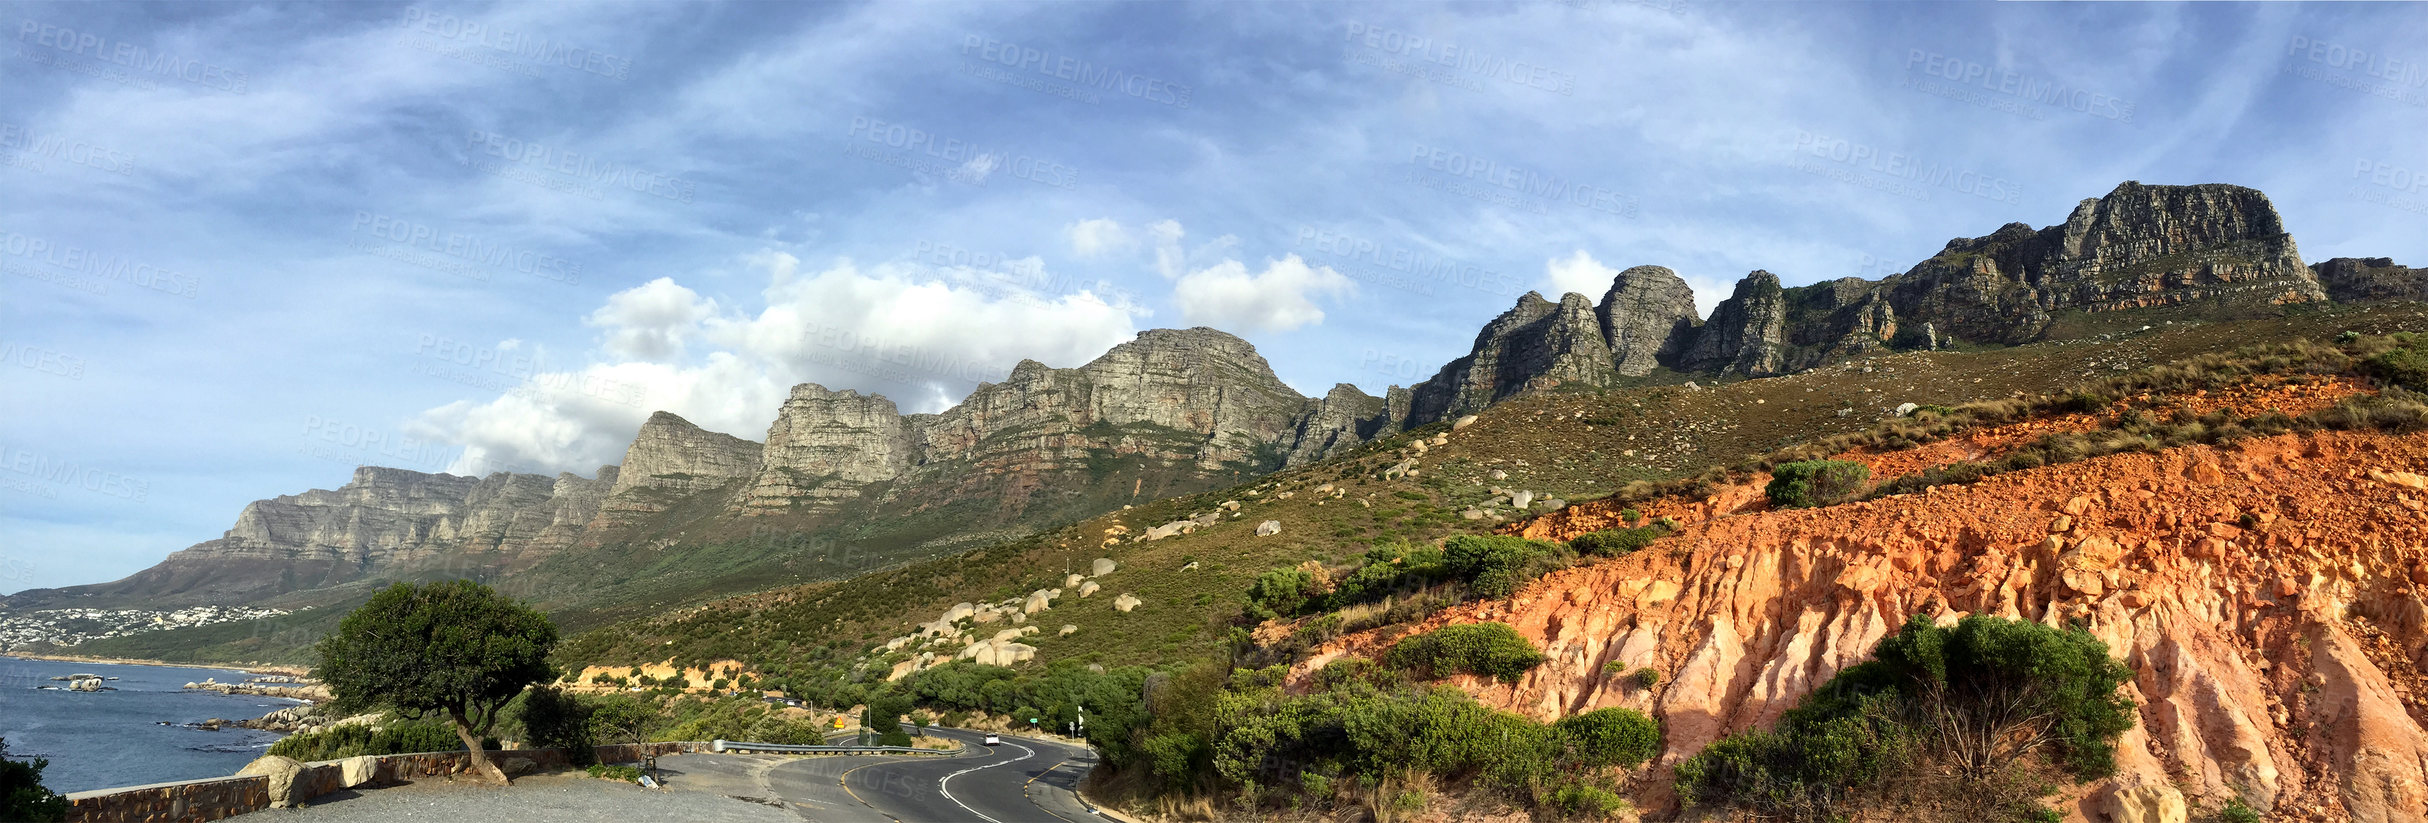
383 522
2352 280
1747 333
1345 417
827 446
2268 598
669 461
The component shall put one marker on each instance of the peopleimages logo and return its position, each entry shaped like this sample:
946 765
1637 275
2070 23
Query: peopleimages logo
100 267
971 163
468 248
2003 80
1899 166
70 473
130 55
582 167
539 50
1075 70
2338 56
1522 181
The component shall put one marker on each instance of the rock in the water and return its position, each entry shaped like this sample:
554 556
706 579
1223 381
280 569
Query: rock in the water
1268 528
1127 602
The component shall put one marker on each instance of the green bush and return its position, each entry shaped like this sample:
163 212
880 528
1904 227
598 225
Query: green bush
1616 542
1809 483
1488 649
1588 801
627 774
2404 365
1496 565
1609 737
399 737
2236 812
1971 701
1647 677
1280 593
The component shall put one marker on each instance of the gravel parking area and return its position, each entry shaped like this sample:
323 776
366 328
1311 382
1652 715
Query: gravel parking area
553 798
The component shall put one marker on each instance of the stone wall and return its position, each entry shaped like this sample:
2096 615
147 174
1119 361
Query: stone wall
188 801
195 801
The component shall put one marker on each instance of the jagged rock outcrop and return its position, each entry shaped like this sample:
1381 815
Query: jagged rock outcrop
2353 280
1747 333
1344 418
1647 317
827 446
1536 344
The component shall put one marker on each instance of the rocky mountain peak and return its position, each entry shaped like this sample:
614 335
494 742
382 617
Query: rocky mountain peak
1647 317
826 446
672 455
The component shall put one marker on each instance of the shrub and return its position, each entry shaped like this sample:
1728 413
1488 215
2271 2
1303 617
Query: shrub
1647 677
1496 565
1972 700
402 737
1280 593
1609 737
1616 542
1486 649
1808 483
1630 515
1588 801
627 774
2404 365
2236 812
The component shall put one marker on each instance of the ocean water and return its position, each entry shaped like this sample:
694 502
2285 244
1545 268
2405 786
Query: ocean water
104 740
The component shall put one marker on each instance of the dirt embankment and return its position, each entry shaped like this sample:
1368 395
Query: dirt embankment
2268 598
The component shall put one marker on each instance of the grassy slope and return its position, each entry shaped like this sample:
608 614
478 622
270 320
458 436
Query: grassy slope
1569 445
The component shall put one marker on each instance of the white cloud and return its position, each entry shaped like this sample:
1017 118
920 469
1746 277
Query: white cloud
1578 273
651 321
1092 238
1280 298
921 336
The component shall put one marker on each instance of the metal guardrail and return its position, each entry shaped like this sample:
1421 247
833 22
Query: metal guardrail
788 748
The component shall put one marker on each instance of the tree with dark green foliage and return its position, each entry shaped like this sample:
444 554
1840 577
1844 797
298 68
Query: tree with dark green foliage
1809 483
883 718
22 796
1973 700
1609 737
455 649
1280 593
551 718
1489 649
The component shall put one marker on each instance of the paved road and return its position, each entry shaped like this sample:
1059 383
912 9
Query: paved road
1023 780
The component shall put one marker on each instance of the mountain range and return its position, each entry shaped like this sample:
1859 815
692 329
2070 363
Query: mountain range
844 482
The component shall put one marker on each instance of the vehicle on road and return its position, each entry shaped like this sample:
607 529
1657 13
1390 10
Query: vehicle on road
993 739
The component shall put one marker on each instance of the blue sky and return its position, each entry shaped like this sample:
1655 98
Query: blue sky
244 248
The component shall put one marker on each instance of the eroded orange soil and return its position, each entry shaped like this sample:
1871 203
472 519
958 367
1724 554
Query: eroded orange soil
2267 596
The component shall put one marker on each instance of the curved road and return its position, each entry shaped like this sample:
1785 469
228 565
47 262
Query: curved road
1023 780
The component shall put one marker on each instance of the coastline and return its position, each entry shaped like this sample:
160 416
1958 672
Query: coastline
252 669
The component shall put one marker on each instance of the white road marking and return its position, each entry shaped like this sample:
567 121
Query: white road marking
948 793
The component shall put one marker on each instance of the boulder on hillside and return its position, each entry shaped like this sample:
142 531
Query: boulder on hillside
1089 588
1103 566
1127 602
1463 422
1067 630
1038 601
1268 528
1072 581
